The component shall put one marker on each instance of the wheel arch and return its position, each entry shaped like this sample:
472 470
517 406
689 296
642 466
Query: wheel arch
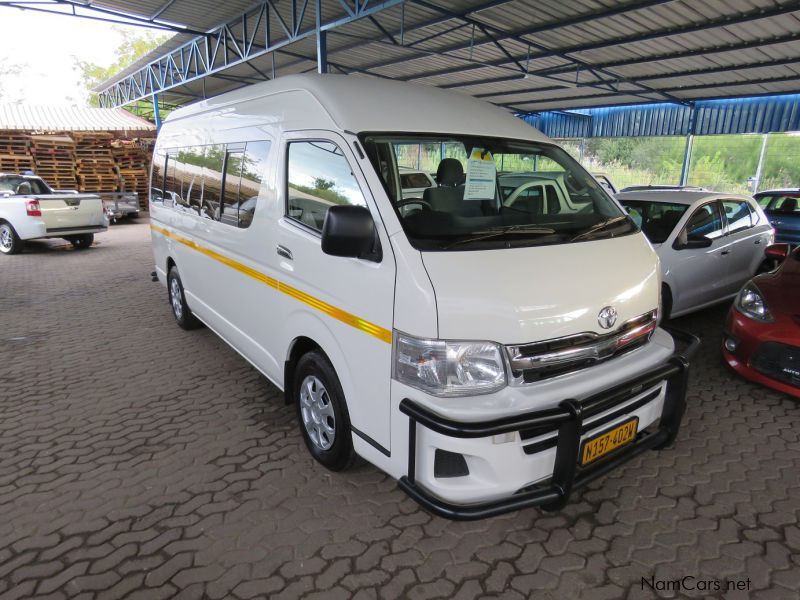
299 346
667 300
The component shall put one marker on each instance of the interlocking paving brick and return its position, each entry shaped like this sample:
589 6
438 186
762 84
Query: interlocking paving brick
140 460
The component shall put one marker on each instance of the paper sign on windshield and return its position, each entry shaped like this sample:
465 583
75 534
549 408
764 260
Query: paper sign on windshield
481 176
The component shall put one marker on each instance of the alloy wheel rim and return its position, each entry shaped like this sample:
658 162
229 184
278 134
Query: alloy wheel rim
176 298
5 238
317 412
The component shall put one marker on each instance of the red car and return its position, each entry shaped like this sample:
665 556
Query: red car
762 333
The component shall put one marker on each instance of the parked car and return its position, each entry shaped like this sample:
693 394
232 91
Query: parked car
489 358
542 193
783 211
414 183
762 333
120 205
29 210
604 180
709 243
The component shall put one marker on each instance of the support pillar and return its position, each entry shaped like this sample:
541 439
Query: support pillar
156 112
760 167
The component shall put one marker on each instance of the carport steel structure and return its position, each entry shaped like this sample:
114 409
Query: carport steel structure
573 69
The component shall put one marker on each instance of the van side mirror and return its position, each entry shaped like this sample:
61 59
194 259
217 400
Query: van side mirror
777 252
350 231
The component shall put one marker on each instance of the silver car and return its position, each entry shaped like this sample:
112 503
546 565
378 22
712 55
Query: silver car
709 243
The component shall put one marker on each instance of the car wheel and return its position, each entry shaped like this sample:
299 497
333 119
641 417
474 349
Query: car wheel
666 302
322 412
9 240
81 242
177 300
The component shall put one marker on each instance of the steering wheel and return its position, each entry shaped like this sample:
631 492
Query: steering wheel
423 204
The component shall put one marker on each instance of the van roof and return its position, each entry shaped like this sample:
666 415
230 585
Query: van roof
360 104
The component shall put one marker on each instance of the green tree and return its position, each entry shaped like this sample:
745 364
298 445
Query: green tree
320 183
134 46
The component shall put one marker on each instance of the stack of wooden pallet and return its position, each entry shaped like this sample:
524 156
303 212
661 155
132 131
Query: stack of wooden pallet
15 152
132 163
54 158
95 162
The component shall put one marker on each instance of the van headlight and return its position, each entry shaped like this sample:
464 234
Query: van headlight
751 304
446 368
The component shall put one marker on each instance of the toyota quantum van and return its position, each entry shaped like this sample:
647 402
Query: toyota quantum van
491 351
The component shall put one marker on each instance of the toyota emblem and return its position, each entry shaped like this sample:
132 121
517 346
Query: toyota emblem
607 317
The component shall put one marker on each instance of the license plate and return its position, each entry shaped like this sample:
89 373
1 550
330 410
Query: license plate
608 441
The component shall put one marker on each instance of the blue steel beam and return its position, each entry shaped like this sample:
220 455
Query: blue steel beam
228 45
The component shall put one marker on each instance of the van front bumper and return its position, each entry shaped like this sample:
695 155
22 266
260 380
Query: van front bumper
567 419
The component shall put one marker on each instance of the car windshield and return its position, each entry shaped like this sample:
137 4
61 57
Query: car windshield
494 193
657 219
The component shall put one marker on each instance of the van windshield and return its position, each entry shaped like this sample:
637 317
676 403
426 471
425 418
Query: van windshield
493 193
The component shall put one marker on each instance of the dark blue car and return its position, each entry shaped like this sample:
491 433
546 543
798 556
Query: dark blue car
783 211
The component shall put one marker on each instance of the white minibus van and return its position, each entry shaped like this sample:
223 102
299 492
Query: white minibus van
490 350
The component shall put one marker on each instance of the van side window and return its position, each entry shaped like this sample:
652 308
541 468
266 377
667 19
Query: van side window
211 171
191 160
254 167
157 181
173 194
318 176
737 213
230 186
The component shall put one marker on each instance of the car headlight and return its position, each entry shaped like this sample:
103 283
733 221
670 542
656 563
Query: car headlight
751 304
446 368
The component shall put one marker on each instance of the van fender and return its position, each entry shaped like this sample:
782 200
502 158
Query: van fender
309 325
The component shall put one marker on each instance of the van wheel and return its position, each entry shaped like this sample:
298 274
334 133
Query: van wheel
177 300
81 242
666 302
9 240
322 412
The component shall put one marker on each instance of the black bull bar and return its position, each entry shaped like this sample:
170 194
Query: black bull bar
568 419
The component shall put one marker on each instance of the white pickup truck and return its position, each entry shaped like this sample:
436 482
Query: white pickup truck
30 209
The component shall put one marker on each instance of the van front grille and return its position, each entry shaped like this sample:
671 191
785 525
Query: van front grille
550 358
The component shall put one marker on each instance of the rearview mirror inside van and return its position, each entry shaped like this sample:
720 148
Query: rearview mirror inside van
350 231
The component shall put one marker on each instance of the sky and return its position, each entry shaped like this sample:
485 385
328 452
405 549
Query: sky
48 72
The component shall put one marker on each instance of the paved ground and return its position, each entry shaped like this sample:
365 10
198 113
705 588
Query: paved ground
139 460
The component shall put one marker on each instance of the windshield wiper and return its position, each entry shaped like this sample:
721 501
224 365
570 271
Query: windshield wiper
498 231
599 227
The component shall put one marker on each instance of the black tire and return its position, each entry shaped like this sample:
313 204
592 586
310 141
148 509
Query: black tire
9 240
177 301
666 302
82 242
315 368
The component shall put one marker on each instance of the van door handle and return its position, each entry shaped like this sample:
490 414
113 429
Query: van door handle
724 252
757 242
284 252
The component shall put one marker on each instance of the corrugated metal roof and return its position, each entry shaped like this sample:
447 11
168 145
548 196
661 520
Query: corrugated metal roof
66 118
525 56
726 116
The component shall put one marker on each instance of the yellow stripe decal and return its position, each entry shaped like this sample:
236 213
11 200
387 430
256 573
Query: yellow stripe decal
330 310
